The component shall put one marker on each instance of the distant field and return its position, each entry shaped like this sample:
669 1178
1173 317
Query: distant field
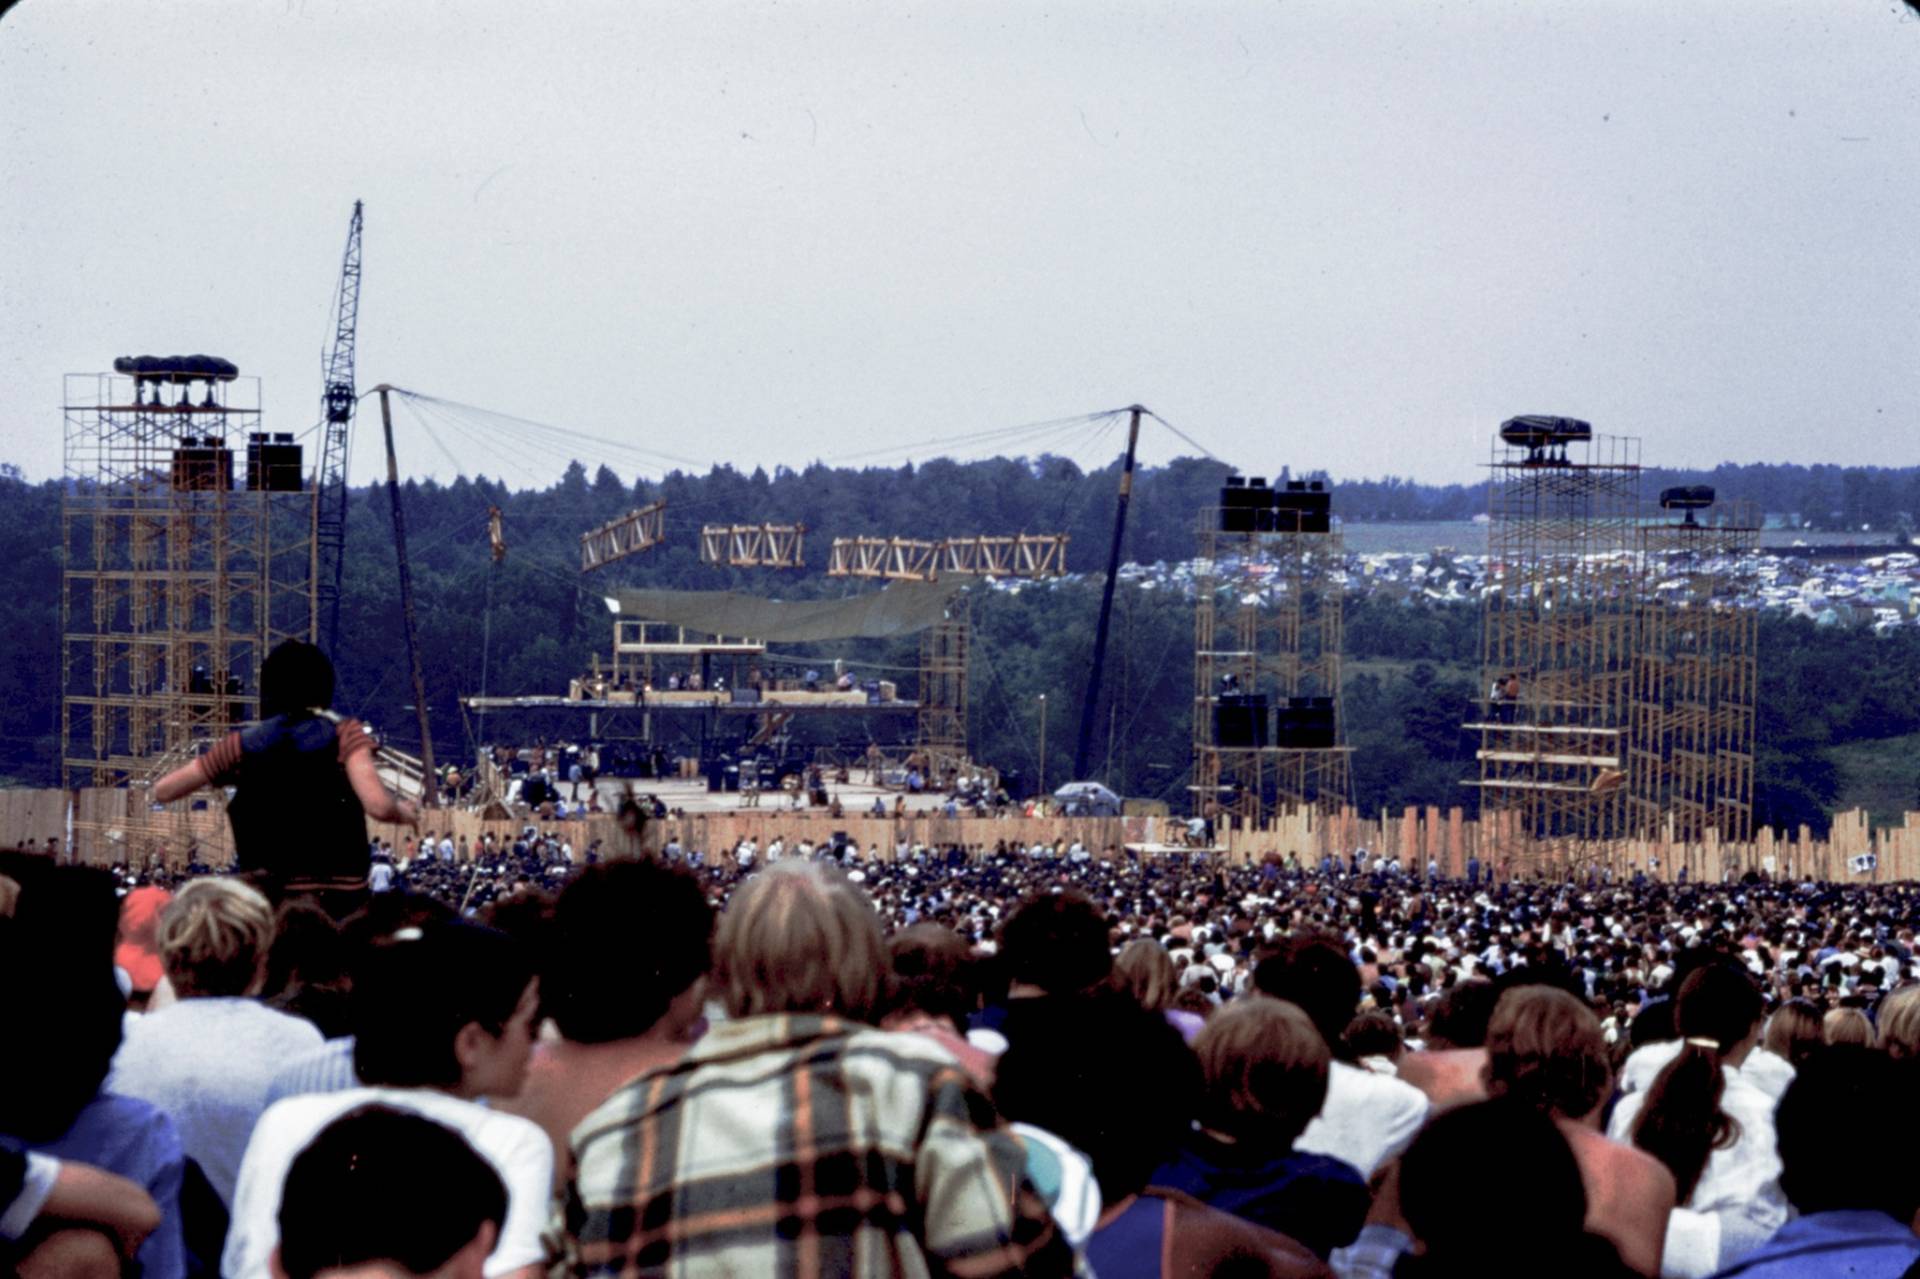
1880 776
1385 668
1469 538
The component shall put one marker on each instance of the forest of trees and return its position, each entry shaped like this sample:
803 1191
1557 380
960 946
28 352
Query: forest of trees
1411 668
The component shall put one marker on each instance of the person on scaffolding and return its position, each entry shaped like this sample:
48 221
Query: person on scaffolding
304 786
1505 699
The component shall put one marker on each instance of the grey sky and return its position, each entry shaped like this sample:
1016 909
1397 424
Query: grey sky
1317 232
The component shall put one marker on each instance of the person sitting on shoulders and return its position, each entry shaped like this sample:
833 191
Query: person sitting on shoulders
304 785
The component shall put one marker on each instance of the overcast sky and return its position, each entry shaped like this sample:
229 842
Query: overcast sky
1322 233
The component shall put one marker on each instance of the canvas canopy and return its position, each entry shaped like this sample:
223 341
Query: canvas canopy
902 608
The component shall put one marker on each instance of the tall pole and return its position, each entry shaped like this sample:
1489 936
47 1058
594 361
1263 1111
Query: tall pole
497 545
429 781
1043 746
1088 707
486 648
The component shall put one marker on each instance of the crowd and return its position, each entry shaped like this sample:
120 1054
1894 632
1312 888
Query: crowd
935 1063
819 1061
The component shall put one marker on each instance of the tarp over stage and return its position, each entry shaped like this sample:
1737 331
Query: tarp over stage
902 608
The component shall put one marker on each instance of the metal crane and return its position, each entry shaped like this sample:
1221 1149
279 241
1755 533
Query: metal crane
337 402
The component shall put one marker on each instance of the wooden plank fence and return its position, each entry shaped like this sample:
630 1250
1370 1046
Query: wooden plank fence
103 827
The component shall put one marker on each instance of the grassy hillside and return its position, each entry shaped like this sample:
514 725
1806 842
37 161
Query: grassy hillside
1881 775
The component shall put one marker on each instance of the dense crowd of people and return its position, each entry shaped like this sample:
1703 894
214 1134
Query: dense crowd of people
820 1060
836 1063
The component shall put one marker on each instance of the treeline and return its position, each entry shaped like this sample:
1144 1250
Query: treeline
1411 671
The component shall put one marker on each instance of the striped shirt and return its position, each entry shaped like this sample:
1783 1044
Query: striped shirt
220 765
804 1145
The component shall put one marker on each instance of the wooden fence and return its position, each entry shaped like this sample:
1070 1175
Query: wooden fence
1449 839
103 827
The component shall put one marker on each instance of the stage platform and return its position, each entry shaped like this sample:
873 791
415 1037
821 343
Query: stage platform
856 798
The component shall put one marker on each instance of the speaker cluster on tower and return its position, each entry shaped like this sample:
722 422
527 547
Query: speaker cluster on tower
1240 720
274 463
1248 505
1244 721
1305 723
202 462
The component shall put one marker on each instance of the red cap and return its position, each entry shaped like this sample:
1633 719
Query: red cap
137 952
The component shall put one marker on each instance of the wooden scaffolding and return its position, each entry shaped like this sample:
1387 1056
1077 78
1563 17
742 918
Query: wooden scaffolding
1558 649
187 537
1690 754
1267 647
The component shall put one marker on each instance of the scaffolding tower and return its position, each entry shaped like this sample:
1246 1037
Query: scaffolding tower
940 727
1690 757
1558 644
1268 583
188 543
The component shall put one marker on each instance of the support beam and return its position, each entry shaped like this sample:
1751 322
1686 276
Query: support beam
1087 707
632 533
902 559
754 545
429 790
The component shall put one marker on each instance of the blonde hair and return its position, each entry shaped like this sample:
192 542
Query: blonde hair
800 937
1144 970
1794 1031
214 936
1847 1026
1900 1022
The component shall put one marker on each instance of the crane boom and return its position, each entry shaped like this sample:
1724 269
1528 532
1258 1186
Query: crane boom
337 403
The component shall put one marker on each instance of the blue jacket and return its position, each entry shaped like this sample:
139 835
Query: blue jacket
1856 1243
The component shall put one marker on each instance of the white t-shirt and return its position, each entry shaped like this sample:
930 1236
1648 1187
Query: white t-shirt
1768 1071
1737 1203
1367 1118
517 1148
208 1062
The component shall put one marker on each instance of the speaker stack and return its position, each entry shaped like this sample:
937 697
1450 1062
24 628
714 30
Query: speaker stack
203 462
1246 505
274 463
1240 720
1305 723
1304 506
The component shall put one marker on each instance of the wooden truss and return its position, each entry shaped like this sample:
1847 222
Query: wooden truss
1024 555
900 559
632 533
905 559
754 545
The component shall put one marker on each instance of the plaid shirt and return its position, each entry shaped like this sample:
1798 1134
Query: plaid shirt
804 1145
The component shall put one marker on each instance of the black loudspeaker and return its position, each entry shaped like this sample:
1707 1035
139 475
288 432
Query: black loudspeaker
273 464
1240 720
1246 505
1305 723
1304 507
202 464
